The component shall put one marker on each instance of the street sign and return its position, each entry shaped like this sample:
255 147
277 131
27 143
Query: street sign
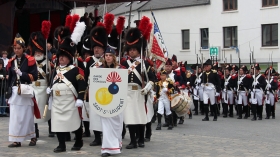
214 51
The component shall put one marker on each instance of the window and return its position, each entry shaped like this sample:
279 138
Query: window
230 36
268 3
230 5
204 38
185 39
270 35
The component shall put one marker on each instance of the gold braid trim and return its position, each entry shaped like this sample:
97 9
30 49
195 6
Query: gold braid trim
80 77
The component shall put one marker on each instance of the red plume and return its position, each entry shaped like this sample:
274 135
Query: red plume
75 19
148 31
100 24
120 24
68 21
108 22
46 27
143 25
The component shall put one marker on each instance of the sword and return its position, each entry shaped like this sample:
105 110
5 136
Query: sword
85 98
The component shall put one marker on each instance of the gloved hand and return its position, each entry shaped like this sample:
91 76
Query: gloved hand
79 103
225 90
50 103
1 76
226 83
239 82
217 94
268 85
255 83
254 90
198 80
177 83
197 87
18 72
267 92
147 88
48 90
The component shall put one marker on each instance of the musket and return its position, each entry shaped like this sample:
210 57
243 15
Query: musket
225 79
237 90
85 98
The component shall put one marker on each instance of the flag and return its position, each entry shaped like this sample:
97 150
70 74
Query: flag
156 46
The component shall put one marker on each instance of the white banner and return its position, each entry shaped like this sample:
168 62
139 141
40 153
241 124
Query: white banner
108 91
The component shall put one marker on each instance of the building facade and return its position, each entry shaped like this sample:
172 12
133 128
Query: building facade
236 27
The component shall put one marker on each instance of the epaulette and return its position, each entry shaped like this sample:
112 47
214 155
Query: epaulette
248 76
263 75
31 60
88 59
53 57
234 76
214 71
80 59
9 63
81 71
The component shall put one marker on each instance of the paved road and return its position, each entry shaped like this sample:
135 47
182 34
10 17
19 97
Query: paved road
224 138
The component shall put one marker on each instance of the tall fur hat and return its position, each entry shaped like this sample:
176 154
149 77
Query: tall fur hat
98 37
134 39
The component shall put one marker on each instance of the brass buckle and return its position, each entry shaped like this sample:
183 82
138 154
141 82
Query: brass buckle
37 83
134 87
57 93
206 84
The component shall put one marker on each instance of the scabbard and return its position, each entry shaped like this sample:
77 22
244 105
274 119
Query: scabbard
45 111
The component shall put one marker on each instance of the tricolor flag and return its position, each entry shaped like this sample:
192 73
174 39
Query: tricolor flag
157 47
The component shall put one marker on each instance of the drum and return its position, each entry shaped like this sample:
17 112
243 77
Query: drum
181 104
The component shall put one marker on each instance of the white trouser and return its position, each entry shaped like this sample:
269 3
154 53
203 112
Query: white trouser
229 97
271 99
195 94
242 98
258 98
209 94
164 103
200 93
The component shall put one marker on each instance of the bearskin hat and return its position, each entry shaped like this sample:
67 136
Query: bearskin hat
207 62
174 58
228 67
113 40
257 66
67 48
60 33
244 68
98 37
134 39
194 66
272 71
235 67
86 46
37 43
168 62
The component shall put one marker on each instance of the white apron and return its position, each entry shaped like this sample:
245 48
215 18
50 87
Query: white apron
94 118
150 105
64 115
135 112
41 97
85 108
21 124
112 134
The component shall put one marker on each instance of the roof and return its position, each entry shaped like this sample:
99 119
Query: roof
165 4
159 4
125 8
87 2
110 7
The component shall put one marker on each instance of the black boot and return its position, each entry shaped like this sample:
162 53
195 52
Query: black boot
166 121
67 137
260 112
230 110
132 132
170 122
245 108
36 130
268 111
154 117
87 132
218 109
254 110
211 110
236 109
148 132
190 115
201 107
239 111
195 102
181 121
225 108
175 118
97 139
206 109
51 134
272 108
159 121
215 112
